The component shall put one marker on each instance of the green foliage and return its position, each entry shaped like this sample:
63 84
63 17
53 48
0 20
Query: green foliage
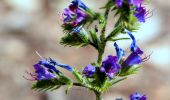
45 85
78 76
128 70
94 38
52 84
115 32
78 39
116 39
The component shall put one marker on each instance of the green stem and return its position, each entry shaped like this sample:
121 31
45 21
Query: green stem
101 52
98 96
101 48
103 31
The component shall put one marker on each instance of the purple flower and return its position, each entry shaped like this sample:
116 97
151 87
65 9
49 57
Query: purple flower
50 64
136 3
79 3
89 70
135 56
73 16
140 14
137 96
110 66
119 3
42 73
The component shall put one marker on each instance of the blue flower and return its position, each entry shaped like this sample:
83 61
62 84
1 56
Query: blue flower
110 66
135 56
89 70
42 73
137 96
79 3
133 46
119 3
50 63
51 66
73 16
140 13
120 52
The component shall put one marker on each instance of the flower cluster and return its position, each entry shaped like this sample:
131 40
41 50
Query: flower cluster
136 5
46 69
75 13
114 64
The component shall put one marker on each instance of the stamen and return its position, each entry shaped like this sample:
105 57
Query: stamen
39 54
146 58
149 12
28 78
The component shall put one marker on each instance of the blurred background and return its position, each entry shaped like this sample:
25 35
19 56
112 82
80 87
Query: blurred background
27 26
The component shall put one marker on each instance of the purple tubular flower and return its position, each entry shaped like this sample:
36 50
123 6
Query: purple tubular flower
110 66
137 96
119 3
140 14
136 3
134 57
65 66
42 73
79 3
50 64
73 16
120 52
89 70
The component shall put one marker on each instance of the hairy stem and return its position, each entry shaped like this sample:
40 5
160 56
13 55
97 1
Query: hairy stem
103 31
101 48
98 95
101 52
78 84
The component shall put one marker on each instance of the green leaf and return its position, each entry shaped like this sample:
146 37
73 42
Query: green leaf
129 70
116 39
115 32
102 21
45 85
117 80
67 81
109 4
53 84
94 38
78 76
74 40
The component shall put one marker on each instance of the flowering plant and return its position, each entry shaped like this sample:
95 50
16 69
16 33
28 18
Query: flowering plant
78 20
